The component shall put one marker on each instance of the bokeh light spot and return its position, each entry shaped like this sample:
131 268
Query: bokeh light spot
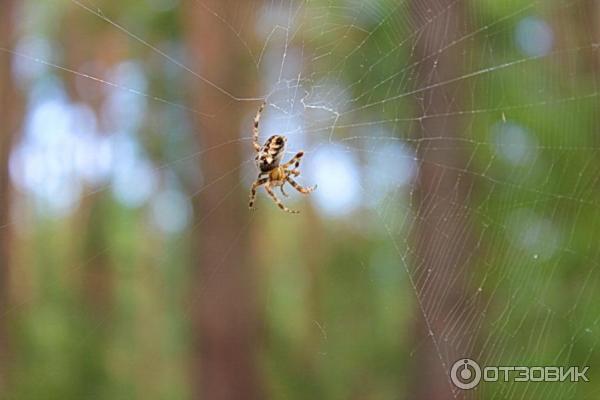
534 36
337 174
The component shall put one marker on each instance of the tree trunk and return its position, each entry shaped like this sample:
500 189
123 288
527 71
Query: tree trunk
225 316
441 234
10 112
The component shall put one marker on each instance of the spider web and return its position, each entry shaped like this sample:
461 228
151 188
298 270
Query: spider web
494 253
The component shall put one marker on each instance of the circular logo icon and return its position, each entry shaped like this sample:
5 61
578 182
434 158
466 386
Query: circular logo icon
465 374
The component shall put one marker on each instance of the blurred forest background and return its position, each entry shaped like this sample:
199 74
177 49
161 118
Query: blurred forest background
456 148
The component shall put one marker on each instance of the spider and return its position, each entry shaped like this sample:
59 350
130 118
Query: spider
268 159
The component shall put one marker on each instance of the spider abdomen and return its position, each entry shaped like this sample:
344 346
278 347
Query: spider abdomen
271 153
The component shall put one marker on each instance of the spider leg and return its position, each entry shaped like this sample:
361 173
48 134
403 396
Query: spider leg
255 129
295 161
277 201
300 188
255 185
283 191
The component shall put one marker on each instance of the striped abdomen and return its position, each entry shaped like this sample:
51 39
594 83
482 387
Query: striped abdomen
271 153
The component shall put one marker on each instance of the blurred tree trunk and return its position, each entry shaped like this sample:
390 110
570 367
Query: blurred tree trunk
102 50
225 314
585 23
10 118
93 222
441 234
